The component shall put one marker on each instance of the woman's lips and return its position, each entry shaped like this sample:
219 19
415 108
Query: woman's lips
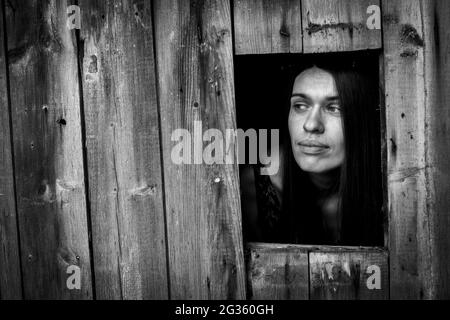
312 148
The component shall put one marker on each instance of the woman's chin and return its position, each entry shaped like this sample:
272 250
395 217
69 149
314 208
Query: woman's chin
315 167
313 170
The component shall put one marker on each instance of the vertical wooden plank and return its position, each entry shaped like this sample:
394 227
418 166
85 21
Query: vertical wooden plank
195 67
406 128
338 25
436 19
10 277
267 26
123 150
49 172
277 273
383 148
345 275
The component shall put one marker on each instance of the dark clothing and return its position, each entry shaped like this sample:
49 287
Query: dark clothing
303 227
269 207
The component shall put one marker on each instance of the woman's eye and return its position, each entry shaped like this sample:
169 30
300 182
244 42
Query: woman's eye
300 106
333 108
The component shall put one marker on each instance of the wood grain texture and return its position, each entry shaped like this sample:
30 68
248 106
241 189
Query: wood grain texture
384 151
10 277
195 67
338 25
285 271
436 17
343 275
123 150
321 248
277 273
406 134
45 102
267 26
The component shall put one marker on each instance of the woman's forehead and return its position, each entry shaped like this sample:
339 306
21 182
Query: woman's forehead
315 83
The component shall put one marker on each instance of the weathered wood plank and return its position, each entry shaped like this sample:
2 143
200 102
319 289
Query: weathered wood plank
195 67
331 272
347 275
384 151
406 128
436 19
123 150
319 248
10 277
45 104
277 273
338 25
267 26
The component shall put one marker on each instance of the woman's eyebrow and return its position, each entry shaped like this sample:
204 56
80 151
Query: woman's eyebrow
301 95
334 98
305 97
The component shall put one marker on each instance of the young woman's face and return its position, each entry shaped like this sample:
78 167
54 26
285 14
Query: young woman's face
315 123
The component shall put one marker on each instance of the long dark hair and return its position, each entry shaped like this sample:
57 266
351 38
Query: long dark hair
358 185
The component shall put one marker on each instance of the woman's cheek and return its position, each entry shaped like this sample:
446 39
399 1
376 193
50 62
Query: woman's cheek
294 125
339 143
290 120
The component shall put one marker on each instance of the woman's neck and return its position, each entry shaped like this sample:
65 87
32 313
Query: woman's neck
325 182
328 201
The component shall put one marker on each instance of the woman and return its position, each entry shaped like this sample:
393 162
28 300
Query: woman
328 190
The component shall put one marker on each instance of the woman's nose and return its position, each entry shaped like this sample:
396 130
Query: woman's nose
313 122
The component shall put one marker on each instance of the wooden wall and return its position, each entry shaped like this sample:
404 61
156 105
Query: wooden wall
123 150
303 26
10 275
86 176
295 272
196 84
48 158
417 117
